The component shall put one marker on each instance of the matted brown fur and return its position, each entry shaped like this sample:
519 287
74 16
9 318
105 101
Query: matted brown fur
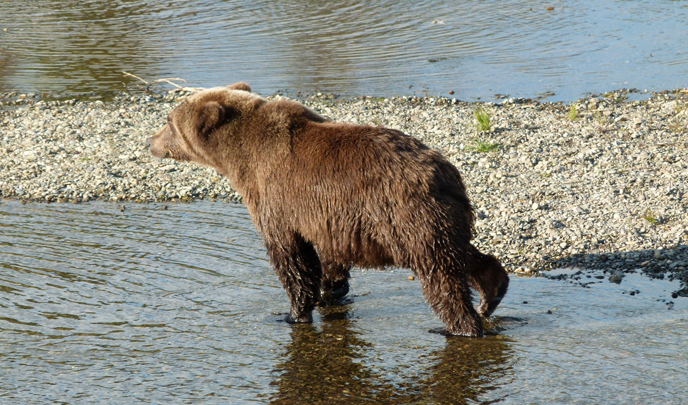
328 195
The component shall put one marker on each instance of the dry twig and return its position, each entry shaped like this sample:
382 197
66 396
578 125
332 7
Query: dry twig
169 81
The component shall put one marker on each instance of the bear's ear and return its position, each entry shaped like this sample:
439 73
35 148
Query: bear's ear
240 86
210 116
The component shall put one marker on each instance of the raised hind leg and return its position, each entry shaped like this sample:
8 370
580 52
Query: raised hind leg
488 277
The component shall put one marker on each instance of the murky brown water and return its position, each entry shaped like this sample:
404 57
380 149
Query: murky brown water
352 47
177 306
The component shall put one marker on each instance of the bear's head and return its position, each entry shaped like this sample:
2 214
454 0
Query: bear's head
197 129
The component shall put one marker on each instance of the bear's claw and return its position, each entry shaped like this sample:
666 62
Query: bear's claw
302 319
331 293
445 332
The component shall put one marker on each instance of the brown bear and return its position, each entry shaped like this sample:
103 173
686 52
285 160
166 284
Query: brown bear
327 196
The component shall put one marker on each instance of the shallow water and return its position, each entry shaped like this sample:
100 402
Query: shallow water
178 306
351 47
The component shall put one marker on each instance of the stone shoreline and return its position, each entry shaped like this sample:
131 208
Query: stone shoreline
604 190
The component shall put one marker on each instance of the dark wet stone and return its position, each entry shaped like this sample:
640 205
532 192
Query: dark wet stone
616 278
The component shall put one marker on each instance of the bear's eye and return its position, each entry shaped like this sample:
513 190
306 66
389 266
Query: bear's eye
170 126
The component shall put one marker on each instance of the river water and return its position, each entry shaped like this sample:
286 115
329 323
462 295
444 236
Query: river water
179 305
523 48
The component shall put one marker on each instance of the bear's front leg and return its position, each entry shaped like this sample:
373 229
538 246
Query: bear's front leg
449 296
297 265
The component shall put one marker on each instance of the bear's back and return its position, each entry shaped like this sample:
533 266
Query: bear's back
366 193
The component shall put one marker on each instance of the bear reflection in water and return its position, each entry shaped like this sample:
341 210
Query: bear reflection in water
327 196
330 366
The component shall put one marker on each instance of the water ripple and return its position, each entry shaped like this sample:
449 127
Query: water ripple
176 306
378 47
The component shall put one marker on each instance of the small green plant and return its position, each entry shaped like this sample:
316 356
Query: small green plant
573 113
650 217
545 175
484 145
483 118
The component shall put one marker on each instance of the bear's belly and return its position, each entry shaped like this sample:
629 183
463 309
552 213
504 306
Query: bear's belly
356 249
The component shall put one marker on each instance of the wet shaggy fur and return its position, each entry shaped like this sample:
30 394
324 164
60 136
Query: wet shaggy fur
327 196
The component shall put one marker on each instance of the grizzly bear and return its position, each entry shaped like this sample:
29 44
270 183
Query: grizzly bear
327 196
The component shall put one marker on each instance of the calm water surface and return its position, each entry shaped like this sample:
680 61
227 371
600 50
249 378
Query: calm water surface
352 47
178 306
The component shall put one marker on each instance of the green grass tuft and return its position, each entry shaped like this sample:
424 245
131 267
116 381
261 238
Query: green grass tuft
483 118
573 113
650 217
483 145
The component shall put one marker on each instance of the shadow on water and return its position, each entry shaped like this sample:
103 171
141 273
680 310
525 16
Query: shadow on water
329 366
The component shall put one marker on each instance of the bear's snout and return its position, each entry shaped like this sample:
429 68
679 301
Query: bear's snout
161 145
153 146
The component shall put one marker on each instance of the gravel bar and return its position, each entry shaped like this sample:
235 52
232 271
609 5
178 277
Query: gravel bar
600 183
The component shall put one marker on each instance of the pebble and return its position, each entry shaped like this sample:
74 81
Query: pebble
616 278
606 190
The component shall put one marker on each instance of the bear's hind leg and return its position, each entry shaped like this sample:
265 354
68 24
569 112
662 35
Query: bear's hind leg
449 296
297 265
489 278
335 281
